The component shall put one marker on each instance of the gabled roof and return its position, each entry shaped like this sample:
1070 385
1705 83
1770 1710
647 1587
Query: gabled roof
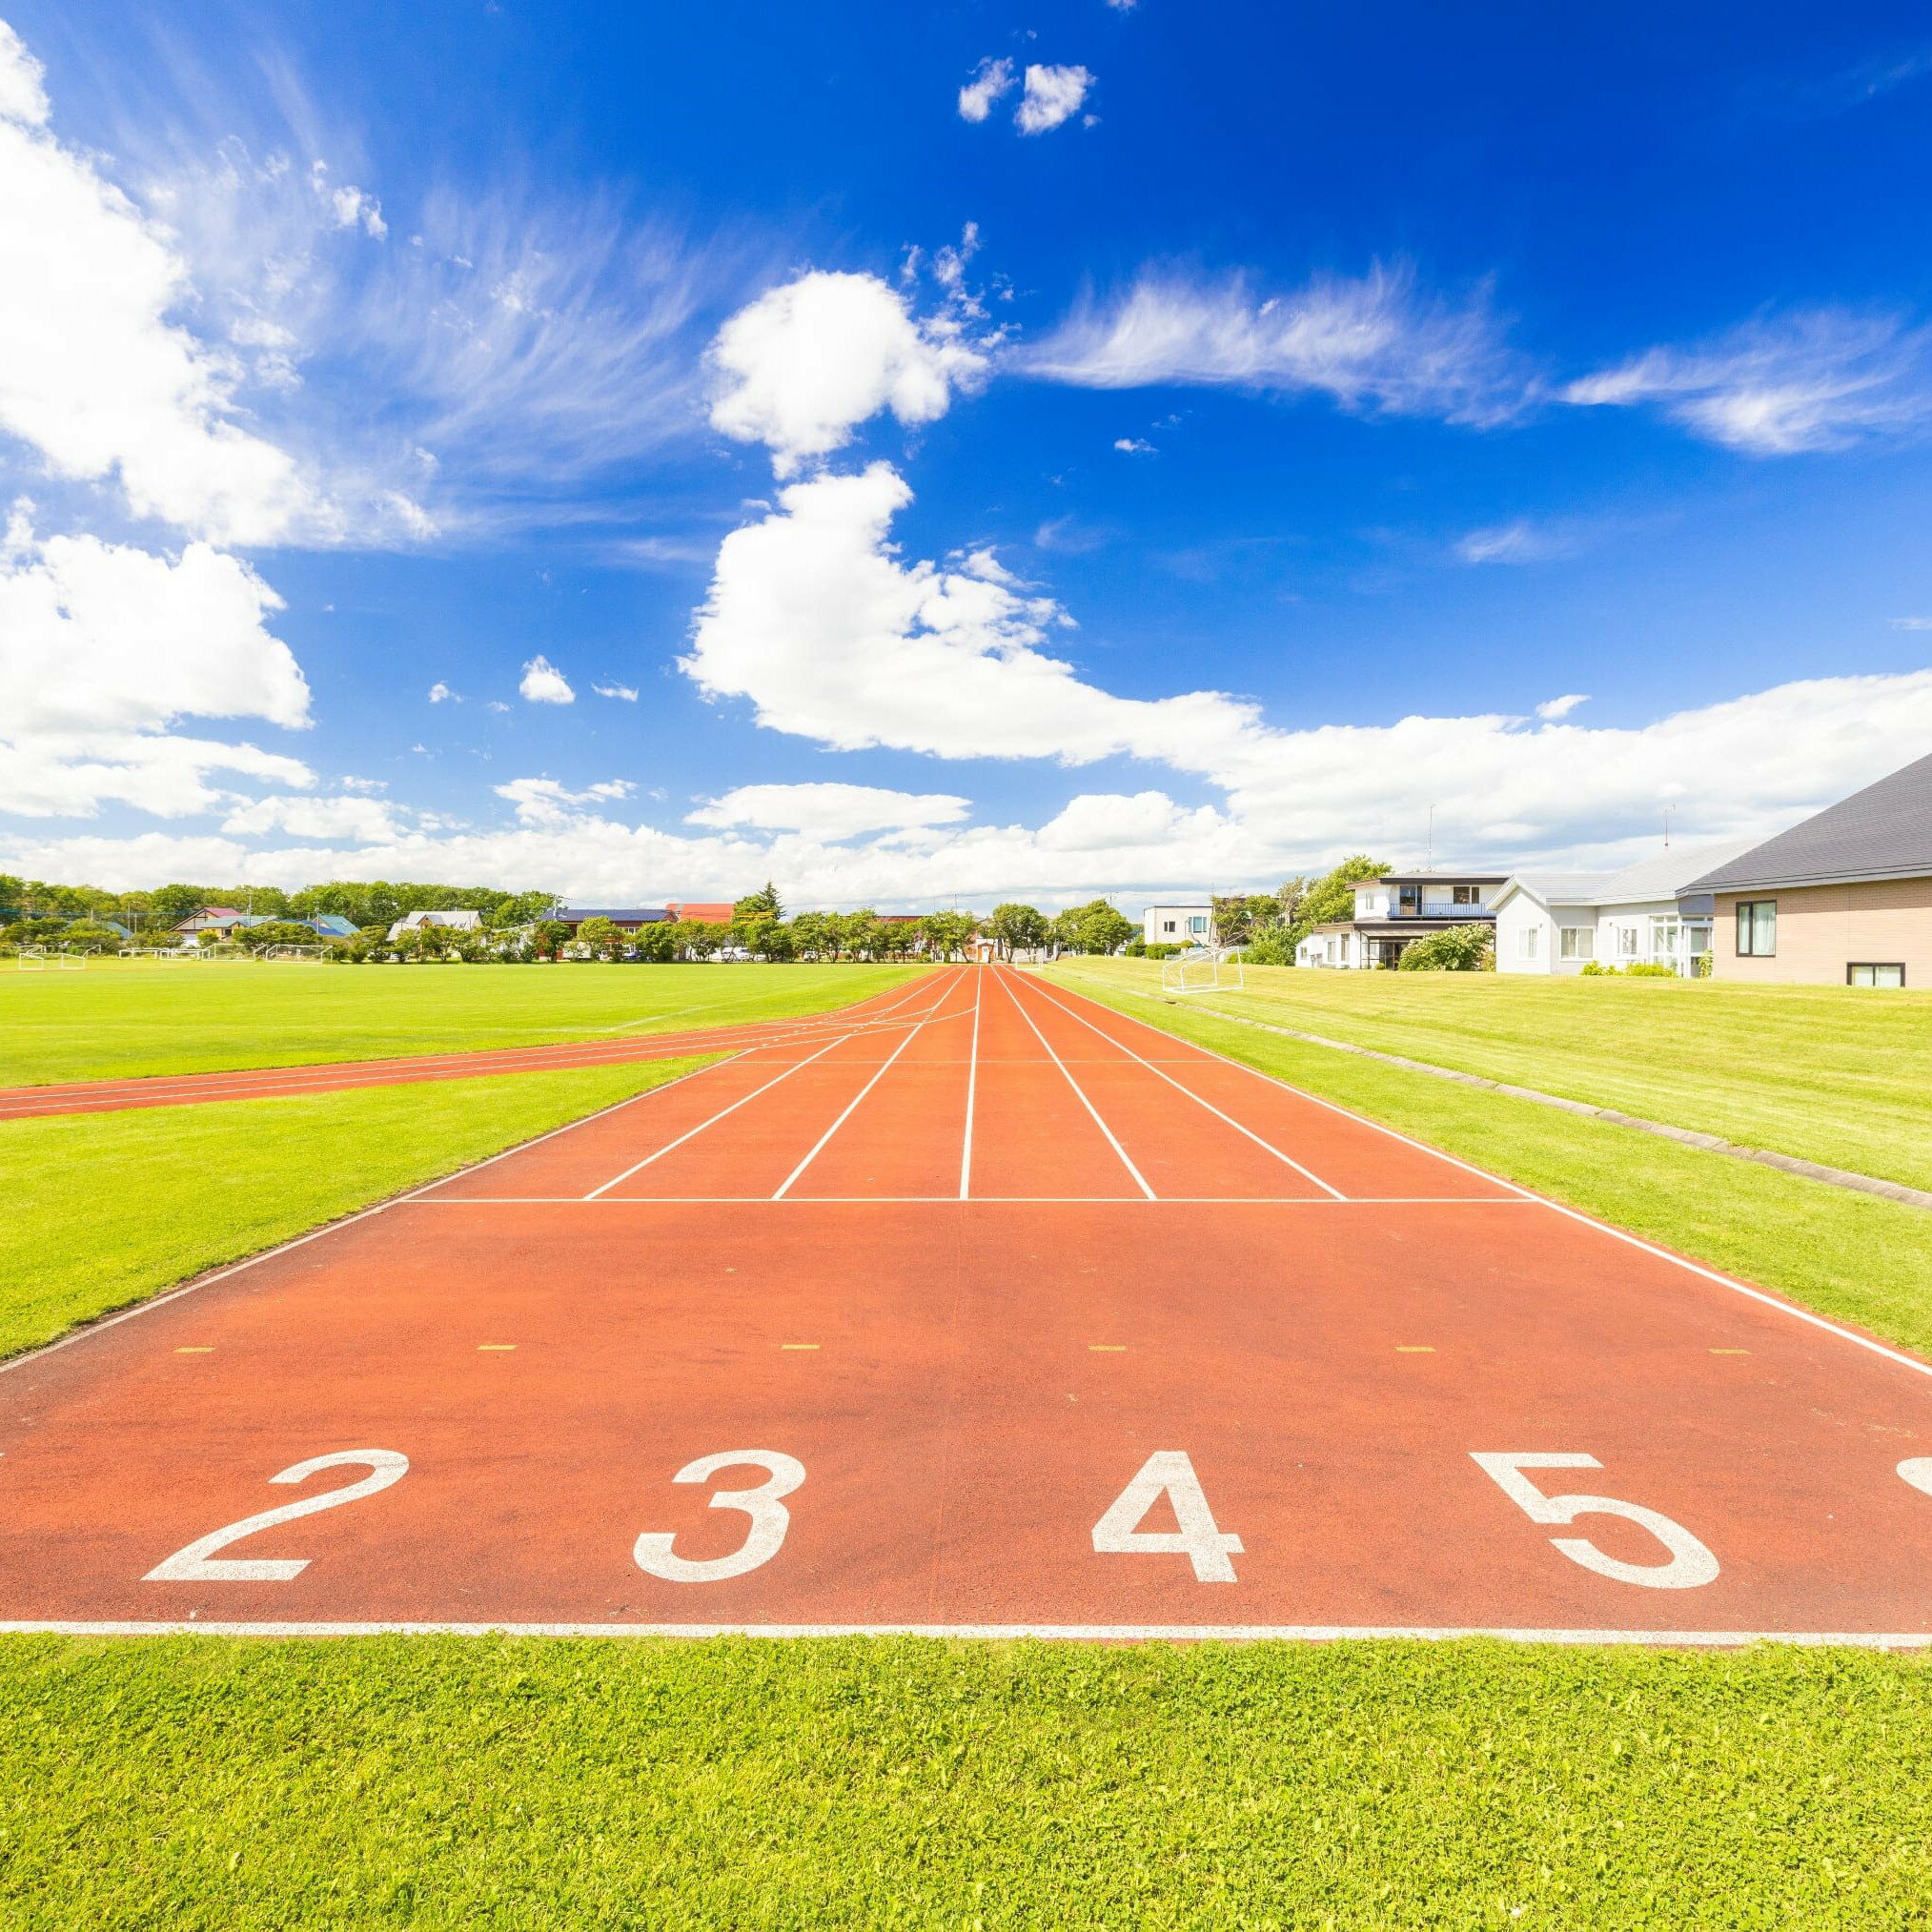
1883 832
1663 877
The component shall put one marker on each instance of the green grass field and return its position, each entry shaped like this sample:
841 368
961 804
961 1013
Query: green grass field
107 1208
1853 1256
132 1019
1829 1074
209 1783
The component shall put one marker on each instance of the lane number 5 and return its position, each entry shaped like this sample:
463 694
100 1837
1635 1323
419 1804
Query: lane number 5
1690 1564
198 1563
764 1505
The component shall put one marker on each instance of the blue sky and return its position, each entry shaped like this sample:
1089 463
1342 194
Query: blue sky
951 453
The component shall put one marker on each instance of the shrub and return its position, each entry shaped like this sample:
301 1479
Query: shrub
1648 970
1461 949
1275 947
1594 968
1162 952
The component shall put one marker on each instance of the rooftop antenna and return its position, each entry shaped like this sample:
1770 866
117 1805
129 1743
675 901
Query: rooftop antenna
1667 811
1431 866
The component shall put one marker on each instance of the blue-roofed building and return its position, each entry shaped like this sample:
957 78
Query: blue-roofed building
625 917
332 926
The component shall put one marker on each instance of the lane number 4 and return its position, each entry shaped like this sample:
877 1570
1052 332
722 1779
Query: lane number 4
1168 1473
1689 1565
198 1563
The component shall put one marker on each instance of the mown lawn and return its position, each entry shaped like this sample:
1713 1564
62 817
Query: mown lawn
106 1209
127 1018
1853 1256
1830 1074
216 1784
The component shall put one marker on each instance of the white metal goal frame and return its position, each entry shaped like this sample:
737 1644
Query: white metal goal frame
1203 969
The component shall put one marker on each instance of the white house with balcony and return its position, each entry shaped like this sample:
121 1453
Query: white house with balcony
1190 924
1557 923
1396 910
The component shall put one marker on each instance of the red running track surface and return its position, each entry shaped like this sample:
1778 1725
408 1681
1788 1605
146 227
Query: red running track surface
1001 1311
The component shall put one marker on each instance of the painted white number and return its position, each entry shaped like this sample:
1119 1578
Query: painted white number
1169 1471
769 1517
1916 1470
198 1563
1690 1564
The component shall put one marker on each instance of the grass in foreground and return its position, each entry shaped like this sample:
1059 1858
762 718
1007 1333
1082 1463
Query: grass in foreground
1853 1256
127 1019
442 1783
107 1208
1837 1075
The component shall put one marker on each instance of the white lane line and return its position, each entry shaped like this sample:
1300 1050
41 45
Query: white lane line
1106 1633
1140 1179
979 1200
966 1152
784 1187
720 1114
1307 1174
1743 1287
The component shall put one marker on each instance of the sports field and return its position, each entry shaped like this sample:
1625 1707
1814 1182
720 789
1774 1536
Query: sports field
974 1308
136 1020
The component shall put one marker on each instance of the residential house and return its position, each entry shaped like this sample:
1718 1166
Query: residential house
1396 910
1843 898
1644 915
460 920
701 912
625 917
1188 925
210 918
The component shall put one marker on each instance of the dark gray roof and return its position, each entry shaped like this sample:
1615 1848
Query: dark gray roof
1883 832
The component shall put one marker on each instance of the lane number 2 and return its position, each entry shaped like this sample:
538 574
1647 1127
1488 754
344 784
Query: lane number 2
198 1563
1168 1473
765 1505
1690 1564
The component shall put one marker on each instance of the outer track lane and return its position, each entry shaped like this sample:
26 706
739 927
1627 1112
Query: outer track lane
969 1386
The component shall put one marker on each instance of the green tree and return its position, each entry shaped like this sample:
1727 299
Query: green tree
602 936
550 934
815 935
175 903
764 900
1017 929
946 933
1333 895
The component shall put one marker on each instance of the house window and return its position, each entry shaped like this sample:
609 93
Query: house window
1166 925
1464 895
1876 975
1529 940
1627 942
1573 942
1757 928
1198 924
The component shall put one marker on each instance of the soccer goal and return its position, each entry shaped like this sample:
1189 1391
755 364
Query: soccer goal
1201 969
32 959
308 952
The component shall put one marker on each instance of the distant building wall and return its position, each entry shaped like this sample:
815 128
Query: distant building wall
1824 929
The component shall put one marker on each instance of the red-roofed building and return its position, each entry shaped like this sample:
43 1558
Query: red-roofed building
708 913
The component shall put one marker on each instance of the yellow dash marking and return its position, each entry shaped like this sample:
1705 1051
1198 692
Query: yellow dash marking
1107 1348
1414 1349
797 1345
494 1348
1729 1352
195 1352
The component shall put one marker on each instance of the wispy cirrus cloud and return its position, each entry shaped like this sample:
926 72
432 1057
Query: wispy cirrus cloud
1782 385
1519 542
1373 343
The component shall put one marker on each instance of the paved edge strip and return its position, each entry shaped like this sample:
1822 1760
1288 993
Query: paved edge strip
1689 1137
1118 1633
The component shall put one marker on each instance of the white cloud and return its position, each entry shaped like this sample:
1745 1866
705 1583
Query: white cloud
812 617
1053 94
1817 379
829 812
97 373
1912 623
627 693
1372 343
1562 707
990 80
544 684
546 802
803 366
1517 542
364 821
441 693
1133 446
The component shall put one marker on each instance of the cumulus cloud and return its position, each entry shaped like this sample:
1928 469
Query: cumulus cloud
829 812
1133 446
1053 94
813 617
626 693
98 374
544 684
990 80
799 369
1372 342
1817 379
547 802
362 821
1562 707
441 693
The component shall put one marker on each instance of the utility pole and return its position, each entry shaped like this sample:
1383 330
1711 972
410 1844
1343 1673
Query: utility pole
1431 866
1667 811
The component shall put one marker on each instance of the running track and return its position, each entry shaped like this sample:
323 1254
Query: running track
999 1311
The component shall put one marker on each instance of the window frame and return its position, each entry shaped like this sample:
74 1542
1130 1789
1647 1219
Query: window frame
1748 920
1570 942
1876 966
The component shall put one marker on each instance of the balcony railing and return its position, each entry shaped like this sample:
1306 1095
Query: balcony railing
1438 908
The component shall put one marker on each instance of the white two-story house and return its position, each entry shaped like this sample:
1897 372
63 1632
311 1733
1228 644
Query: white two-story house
1393 911
1190 924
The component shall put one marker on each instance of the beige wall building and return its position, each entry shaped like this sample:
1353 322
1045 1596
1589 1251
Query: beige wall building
1842 899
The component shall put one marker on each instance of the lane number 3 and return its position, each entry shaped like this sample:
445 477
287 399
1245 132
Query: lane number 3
198 1563
1689 1565
765 1505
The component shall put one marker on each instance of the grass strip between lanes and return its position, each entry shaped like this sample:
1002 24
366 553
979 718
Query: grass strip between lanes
1855 1257
108 1209
187 1783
